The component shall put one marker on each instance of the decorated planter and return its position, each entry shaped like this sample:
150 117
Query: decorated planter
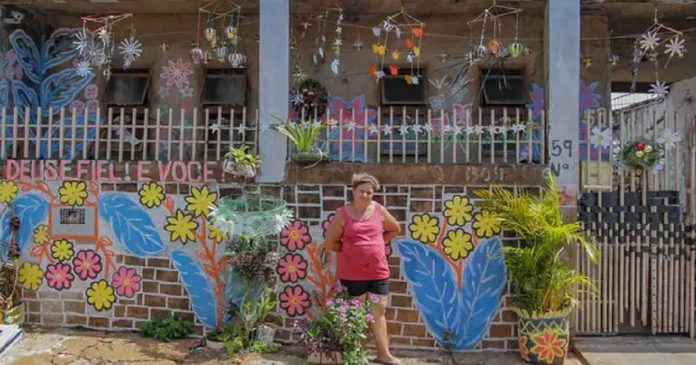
265 334
236 169
325 358
14 315
309 156
543 338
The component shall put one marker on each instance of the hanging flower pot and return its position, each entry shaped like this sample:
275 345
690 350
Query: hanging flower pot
543 339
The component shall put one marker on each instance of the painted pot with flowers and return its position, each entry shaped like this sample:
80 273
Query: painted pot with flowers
544 284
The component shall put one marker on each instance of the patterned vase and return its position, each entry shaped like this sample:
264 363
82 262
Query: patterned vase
543 339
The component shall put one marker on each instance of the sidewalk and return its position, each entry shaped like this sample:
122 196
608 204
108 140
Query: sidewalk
648 350
66 347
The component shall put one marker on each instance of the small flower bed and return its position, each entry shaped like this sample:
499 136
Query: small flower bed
340 328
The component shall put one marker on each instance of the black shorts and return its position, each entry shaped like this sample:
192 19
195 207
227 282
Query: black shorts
357 288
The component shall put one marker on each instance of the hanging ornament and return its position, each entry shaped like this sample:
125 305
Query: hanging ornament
130 49
410 56
396 54
587 61
494 46
409 43
164 46
379 49
675 47
613 60
358 44
231 29
237 60
444 57
335 65
481 53
196 53
393 70
659 89
649 41
210 32
516 49
651 56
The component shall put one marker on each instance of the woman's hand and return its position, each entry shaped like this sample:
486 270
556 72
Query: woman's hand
392 228
332 241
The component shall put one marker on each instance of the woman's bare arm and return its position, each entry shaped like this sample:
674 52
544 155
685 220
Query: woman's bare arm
392 228
332 241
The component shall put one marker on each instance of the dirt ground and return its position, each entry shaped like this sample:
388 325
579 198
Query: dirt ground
75 347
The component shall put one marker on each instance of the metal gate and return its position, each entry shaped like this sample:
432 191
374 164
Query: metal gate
644 225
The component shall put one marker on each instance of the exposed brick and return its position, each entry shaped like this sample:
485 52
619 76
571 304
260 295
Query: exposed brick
308 198
51 306
124 323
309 212
400 341
401 301
33 318
423 342
134 261
399 214
139 299
126 301
29 294
71 295
137 312
407 315
422 192
158 262
107 187
99 322
184 315
150 287
332 205
74 307
509 316
421 206
334 191
197 331
119 259
120 310
33 306
171 188
390 314
178 303
76 320
159 313
155 301
167 275
396 200
170 289
500 330
282 334
492 344
416 330
127 187
513 344
394 328
49 295
398 287
52 320
394 272
394 261
148 274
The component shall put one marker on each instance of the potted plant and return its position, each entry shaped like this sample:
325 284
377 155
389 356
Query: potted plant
11 310
336 336
241 161
545 286
304 137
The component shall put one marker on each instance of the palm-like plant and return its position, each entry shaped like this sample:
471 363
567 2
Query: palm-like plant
303 135
543 281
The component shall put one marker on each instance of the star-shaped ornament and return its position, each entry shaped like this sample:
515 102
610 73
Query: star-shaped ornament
358 44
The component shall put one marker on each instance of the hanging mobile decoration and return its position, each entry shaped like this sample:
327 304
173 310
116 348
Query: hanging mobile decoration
320 40
650 42
494 46
222 33
96 47
613 60
406 28
337 43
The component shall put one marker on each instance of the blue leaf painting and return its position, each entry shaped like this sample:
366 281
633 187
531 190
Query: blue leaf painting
5 233
433 286
25 97
4 93
59 89
483 283
59 48
31 209
67 134
201 295
131 225
27 54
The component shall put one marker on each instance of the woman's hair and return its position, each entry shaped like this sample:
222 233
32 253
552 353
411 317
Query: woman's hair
364 178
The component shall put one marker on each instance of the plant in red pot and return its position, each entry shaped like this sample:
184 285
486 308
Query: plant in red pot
544 285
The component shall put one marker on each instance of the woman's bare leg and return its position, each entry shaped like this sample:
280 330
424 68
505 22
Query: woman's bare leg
379 329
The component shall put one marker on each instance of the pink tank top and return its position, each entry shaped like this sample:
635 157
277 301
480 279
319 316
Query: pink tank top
363 255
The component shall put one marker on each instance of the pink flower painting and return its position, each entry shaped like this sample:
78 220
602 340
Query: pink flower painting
176 73
87 264
59 277
294 300
126 282
292 268
295 236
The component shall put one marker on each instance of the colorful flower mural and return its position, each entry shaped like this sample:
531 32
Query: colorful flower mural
295 236
455 271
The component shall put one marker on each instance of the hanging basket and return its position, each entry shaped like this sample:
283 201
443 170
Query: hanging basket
241 170
254 214
309 156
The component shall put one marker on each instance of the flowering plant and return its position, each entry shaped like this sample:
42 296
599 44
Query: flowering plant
643 154
341 327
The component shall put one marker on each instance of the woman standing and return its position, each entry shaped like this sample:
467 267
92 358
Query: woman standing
359 233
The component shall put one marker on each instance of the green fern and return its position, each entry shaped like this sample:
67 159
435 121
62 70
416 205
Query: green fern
166 329
542 279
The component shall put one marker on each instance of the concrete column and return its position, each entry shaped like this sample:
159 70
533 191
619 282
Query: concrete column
274 76
562 74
